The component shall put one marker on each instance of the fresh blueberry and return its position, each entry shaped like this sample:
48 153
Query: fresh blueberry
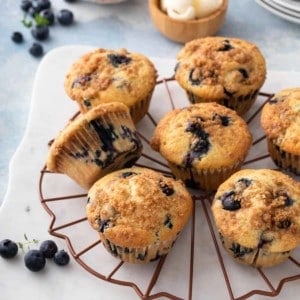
65 17
25 5
48 248
17 37
36 50
61 258
42 4
34 260
33 10
8 248
40 33
48 15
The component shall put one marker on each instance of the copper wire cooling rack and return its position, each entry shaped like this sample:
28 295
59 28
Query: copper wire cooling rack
157 272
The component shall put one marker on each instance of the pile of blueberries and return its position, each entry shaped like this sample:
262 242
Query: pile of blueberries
35 259
39 16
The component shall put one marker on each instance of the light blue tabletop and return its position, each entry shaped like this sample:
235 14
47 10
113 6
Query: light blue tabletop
127 25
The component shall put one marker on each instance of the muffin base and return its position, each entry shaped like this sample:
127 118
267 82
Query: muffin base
241 104
140 108
207 180
138 255
283 159
256 257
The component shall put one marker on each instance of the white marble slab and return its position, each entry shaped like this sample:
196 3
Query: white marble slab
22 211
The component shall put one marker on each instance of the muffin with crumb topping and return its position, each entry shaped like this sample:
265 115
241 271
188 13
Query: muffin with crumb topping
105 75
94 144
138 213
257 214
228 71
203 143
280 119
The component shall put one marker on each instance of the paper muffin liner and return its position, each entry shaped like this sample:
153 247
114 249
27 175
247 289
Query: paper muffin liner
107 143
140 255
139 109
205 179
241 104
283 159
256 257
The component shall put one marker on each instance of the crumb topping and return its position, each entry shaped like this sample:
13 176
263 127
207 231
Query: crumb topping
268 214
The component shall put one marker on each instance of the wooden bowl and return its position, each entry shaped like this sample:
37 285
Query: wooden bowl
184 31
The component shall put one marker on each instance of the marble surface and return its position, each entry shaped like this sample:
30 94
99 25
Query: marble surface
21 212
113 26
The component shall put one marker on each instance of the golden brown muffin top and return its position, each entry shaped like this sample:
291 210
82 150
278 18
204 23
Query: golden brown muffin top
202 136
220 67
105 75
137 207
280 120
259 208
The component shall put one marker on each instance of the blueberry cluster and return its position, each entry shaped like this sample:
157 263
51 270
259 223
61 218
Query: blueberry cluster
39 16
35 259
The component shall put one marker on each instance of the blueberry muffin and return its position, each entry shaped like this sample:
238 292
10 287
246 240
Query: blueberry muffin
257 213
228 71
280 120
104 75
138 213
203 143
94 144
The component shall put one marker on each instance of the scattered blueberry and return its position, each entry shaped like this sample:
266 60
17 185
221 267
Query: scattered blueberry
36 50
41 4
65 17
48 248
61 258
40 33
48 15
34 260
8 248
25 5
17 37
33 10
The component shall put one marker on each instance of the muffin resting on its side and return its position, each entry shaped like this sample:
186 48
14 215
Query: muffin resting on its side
104 75
228 71
203 143
257 213
94 144
138 213
280 119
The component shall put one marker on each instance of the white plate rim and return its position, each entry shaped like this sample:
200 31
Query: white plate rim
289 4
282 9
278 13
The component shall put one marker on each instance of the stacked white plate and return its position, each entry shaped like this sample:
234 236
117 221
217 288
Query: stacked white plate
286 9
